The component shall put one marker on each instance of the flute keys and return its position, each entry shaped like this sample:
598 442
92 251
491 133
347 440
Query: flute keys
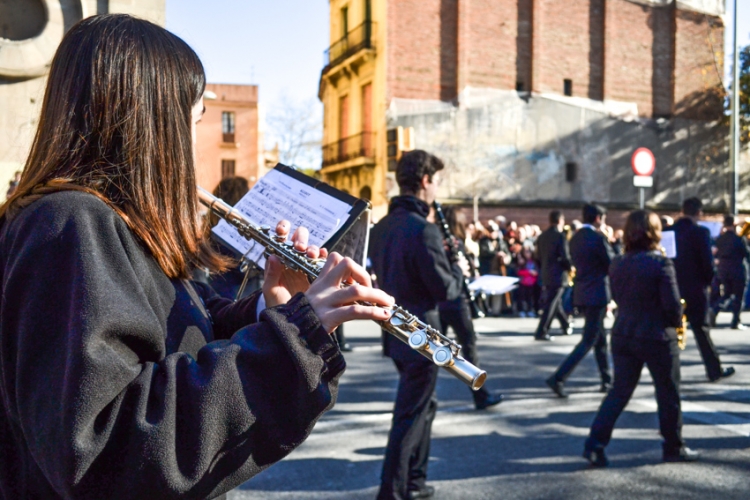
396 320
442 356
418 340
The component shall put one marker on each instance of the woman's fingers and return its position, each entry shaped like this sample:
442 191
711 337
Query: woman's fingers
340 315
360 293
282 228
313 252
339 269
300 238
274 291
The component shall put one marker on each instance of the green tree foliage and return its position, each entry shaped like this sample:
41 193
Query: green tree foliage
744 97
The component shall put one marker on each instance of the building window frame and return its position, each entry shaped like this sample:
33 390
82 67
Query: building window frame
228 121
568 87
228 168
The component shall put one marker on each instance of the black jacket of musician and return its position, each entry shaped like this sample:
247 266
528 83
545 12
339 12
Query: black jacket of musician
554 257
117 382
591 256
733 256
693 264
644 287
409 260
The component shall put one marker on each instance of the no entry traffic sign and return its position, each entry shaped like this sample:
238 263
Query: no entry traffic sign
643 162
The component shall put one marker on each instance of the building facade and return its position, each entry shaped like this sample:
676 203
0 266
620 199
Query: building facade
529 101
30 31
229 142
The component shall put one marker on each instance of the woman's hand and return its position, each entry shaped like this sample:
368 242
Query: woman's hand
280 283
335 305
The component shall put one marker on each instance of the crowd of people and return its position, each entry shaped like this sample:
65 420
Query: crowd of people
507 248
499 247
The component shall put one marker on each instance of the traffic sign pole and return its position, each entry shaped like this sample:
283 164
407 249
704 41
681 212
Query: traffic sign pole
643 163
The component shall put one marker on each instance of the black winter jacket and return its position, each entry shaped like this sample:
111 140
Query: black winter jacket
733 255
410 263
644 287
591 255
554 257
694 264
117 382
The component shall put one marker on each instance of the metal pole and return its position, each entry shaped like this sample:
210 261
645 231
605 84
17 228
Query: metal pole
643 198
734 148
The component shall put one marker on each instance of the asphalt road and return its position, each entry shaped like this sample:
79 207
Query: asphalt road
528 447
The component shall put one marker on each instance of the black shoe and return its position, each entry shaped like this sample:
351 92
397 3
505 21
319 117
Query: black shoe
490 400
346 347
543 338
739 326
596 457
425 491
725 373
684 454
605 387
557 387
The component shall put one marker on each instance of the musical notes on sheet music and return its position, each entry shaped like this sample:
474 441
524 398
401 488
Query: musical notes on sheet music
277 196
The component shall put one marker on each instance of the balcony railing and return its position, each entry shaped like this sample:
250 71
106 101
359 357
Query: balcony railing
357 39
356 146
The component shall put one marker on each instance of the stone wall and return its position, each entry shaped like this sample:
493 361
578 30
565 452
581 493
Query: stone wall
501 147
22 86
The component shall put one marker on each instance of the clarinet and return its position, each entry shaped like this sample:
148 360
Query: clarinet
456 254
403 325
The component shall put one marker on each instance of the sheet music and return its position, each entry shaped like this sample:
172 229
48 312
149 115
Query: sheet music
713 227
669 244
278 196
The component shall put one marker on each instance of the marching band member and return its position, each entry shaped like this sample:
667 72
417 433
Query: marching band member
120 377
645 290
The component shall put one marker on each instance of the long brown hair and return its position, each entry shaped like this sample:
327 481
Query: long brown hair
642 231
116 123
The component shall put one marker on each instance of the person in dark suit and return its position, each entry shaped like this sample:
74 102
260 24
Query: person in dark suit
645 290
695 271
591 255
554 258
410 263
733 256
456 314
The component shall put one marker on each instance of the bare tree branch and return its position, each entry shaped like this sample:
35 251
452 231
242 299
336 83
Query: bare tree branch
296 126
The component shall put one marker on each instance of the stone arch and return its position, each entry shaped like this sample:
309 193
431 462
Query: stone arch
37 29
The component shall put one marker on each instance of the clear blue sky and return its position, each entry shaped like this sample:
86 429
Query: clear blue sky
279 44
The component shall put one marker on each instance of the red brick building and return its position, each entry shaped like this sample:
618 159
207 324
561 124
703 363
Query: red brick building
228 139
529 100
657 54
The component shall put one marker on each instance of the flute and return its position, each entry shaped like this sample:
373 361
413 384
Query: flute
403 325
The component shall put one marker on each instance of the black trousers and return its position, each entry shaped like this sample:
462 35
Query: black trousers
734 287
594 336
696 310
408 449
552 307
457 315
663 362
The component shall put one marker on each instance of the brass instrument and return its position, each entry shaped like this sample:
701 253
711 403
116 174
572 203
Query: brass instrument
745 230
682 329
403 325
